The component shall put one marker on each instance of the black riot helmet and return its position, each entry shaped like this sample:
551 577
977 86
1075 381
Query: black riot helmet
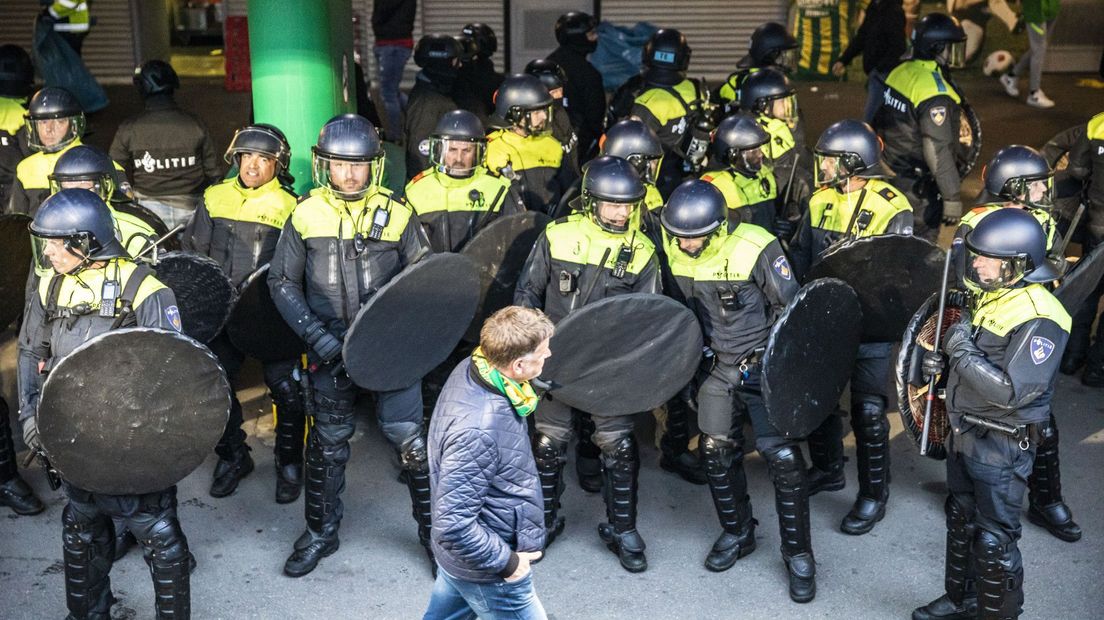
486 43
53 104
82 220
939 37
347 139
518 97
439 57
666 56
266 140
848 148
770 45
1018 174
573 30
16 72
156 77
737 142
635 142
548 72
458 131
84 164
695 209
611 180
769 92
1014 243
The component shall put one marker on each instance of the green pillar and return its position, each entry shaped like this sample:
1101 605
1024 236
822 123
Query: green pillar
301 57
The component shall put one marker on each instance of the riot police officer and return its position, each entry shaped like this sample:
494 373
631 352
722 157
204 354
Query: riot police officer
478 80
555 80
353 226
439 57
16 81
525 150
771 46
1086 164
1001 359
74 235
755 270
584 94
55 123
237 223
559 278
167 151
457 196
745 179
1020 177
853 201
919 121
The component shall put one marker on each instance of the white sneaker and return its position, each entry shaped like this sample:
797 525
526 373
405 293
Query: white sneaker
1038 99
1008 81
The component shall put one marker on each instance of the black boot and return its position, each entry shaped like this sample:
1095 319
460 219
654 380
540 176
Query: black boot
723 460
309 550
550 460
999 578
792 503
1046 508
88 549
417 467
872 447
288 450
826 454
674 447
289 482
229 472
324 469
960 600
943 608
621 468
14 491
588 463
170 566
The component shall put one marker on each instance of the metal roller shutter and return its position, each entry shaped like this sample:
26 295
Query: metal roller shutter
718 32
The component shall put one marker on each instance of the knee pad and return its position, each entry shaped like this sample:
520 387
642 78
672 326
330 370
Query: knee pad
716 449
787 467
548 453
1048 434
164 539
990 547
623 453
413 454
285 392
957 514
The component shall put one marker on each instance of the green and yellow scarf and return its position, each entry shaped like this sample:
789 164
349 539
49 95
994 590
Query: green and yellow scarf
520 394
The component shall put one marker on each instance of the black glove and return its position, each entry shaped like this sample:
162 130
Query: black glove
325 344
784 228
958 334
30 434
933 365
958 299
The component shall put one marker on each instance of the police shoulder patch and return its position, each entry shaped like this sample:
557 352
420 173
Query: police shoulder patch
1041 349
782 268
418 177
938 114
172 313
887 193
708 178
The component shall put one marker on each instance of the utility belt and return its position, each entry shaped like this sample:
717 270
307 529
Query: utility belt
748 366
1025 434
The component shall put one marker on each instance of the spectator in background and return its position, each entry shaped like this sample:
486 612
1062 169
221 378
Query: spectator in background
393 27
1039 15
71 20
881 41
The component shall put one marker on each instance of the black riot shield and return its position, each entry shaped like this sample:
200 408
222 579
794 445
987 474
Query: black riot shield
892 275
1081 279
912 389
133 411
203 292
150 218
810 354
499 251
411 324
15 265
969 141
255 326
623 354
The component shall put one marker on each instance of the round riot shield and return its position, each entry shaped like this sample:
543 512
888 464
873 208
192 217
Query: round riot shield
969 141
912 388
891 274
203 292
810 354
412 323
623 354
152 220
15 265
255 326
133 411
1081 280
499 251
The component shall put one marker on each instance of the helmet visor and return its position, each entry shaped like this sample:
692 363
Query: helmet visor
1037 192
783 108
648 167
347 179
456 157
102 185
831 169
990 273
536 121
610 216
954 54
786 59
748 161
50 135
61 254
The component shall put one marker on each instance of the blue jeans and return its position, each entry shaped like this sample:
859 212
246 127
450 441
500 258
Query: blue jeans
391 59
453 599
875 89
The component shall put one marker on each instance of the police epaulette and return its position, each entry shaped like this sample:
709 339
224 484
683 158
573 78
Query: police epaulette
887 193
560 220
418 177
979 210
708 178
299 199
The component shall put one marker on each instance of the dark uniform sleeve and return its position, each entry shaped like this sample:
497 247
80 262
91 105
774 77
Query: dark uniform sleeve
938 141
30 380
511 201
648 281
535 276
285 280
901 224
645 115
1062 143
593 108
801 248
157 310
211 167
20 202
775 278
413 244
1080 158
120 146
196 236
1022 380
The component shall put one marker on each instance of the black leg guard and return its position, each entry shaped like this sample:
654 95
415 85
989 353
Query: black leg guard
14 491
621 467
88 547
1046 508
550 459
674 446
169 566
958 577
416 465
588 464
290 423
872 446
723 460
826 454
788 474
234 460
1000 577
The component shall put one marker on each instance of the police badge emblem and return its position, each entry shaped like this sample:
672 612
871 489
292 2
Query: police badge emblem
938 115
1041 349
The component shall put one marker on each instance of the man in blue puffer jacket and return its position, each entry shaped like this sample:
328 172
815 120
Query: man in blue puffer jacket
488 511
